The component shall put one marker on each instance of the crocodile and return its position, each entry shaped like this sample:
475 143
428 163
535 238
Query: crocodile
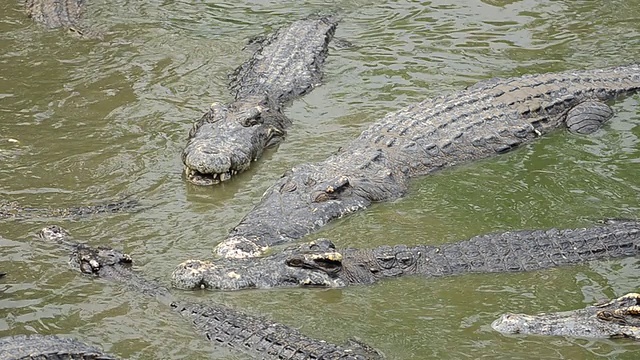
489 118
47 347
320 264
220 324
617 318
287 65
57 13
13 210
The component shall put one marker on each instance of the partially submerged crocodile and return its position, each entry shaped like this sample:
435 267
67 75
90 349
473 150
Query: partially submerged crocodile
13 210
618 318
229 137
218 323
47 347
57 13
490 118
320 264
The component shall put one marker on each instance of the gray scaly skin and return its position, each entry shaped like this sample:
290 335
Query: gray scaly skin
57 14
47 347
320 264
222 325
13 210
618 318
488 119
229 137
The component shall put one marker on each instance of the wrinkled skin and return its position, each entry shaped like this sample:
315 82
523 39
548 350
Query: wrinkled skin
618 318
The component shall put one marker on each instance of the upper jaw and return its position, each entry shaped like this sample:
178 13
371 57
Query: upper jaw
203 179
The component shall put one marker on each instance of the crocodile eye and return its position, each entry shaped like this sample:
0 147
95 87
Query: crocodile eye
295 262
251 117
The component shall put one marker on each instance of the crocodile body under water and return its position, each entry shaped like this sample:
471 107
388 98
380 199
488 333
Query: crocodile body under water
47 347
57 13
320 264
220 324
490 118
618 318
288 64
15 211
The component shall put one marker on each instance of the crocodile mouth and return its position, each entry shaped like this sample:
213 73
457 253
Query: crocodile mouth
197 178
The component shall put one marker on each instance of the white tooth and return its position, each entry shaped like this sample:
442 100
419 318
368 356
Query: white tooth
225 176
215 176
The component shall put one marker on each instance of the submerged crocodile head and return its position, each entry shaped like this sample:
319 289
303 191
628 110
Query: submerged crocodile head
618 318
229 137
311 264
85 258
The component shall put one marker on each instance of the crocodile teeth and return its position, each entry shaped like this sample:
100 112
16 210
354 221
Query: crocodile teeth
225 176
94 264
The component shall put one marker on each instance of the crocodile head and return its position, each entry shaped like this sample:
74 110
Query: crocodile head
91 260
618 318
229 137
309 196
53 233
87 259
315 264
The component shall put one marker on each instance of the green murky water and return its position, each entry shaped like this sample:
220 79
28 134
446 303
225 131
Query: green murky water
96 120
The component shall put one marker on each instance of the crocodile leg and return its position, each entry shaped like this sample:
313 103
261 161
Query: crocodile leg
587 117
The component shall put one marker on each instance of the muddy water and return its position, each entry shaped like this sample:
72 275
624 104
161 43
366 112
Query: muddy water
88 120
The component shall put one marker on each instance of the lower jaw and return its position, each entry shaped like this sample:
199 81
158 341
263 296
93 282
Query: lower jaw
201 179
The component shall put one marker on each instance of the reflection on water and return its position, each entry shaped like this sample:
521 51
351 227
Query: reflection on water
88 120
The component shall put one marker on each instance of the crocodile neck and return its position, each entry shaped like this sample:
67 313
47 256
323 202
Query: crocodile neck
512 251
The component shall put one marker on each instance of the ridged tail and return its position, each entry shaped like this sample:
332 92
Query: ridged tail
531 250
270 340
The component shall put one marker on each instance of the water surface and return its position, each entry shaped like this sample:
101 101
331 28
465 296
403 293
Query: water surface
83 121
